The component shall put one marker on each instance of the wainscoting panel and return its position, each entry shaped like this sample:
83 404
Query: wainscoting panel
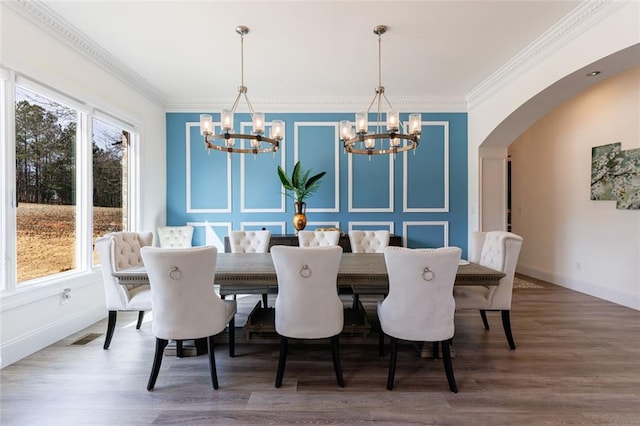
257 194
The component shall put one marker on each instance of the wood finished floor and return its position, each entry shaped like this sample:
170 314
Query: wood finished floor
577 363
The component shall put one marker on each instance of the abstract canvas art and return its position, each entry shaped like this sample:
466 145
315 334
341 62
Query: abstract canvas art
615 175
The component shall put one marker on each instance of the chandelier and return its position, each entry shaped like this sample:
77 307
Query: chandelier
363 142
226 139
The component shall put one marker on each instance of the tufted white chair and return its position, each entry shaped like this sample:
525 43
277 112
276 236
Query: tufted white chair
117 251
250 242
500 251
307 305
420 304
175 236
185 305
368 241
318 238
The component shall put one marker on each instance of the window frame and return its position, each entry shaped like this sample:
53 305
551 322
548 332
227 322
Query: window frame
37 288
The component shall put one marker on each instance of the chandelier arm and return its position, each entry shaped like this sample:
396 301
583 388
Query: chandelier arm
372 101
236 102
246 98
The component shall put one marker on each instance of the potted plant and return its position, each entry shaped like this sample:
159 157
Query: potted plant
303 185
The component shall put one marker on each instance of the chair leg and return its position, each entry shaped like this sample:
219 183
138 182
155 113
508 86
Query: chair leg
232 337
157 361
356 302
506 324
483 314
380 342
448 367
434 350
111 326
392 362
282 360
335 355
212 363
265 300
140 318
179 350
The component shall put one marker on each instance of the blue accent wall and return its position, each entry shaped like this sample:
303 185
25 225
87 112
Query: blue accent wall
420 195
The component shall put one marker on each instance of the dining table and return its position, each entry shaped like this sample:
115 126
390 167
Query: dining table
237 272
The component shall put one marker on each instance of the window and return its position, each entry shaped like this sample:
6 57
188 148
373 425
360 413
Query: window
66 180
110 179
46 134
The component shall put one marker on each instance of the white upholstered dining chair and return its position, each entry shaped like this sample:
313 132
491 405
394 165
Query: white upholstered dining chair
118 251
367 242
175 236
420 304
497 250
307 305
318 238
249 242
185 305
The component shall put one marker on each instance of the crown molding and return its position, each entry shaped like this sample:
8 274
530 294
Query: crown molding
571 26
46 19
323 104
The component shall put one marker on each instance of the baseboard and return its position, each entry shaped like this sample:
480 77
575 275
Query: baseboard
630 300
36 340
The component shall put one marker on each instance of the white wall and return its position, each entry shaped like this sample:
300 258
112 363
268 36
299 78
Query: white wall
570 240
32 318
555 76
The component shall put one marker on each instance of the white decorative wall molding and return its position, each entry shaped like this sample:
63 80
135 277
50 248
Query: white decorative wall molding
336 159
445 162
189 209
246 225
321 224
407 224
389 208
323 104
389 225
569 28
46 19
243 158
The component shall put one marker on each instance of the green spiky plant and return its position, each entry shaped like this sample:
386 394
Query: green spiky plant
300 182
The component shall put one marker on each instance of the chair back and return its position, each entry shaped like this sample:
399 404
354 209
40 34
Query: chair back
249 241
368 241
318 238
500 251
476 241
420 305
307 305
117 251
175 236
184 302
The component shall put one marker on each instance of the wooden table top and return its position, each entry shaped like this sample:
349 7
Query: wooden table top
251 269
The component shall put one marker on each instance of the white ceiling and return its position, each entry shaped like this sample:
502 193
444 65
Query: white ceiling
189 52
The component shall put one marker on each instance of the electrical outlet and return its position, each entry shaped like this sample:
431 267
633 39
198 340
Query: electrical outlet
65 296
